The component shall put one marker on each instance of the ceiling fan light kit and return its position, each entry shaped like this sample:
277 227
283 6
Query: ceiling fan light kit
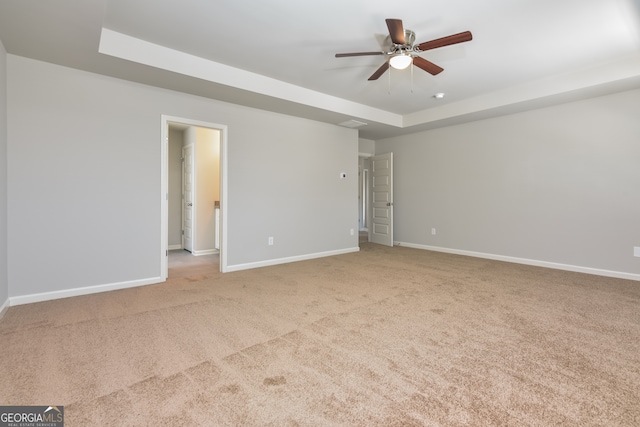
400 61
402 51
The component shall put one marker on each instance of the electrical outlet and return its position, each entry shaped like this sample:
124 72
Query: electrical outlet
636 251
433 231
352 232
270 241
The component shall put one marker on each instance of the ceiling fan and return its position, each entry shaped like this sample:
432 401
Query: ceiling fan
402 52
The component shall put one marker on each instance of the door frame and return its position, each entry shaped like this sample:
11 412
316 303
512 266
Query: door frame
164 188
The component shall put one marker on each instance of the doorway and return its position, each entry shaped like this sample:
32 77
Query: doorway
221 208
194 188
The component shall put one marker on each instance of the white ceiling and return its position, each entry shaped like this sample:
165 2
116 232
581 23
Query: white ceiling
279 54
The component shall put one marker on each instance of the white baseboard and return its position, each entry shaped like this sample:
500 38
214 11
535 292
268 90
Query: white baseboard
205 252
537 263
66 293
267 263
174 247
4 307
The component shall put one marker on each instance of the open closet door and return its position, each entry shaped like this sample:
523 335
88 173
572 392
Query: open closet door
382 199
187 197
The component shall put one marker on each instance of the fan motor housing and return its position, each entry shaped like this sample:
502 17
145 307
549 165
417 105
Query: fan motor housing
409 39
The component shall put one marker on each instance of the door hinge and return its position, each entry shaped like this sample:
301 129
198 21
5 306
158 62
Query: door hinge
166 253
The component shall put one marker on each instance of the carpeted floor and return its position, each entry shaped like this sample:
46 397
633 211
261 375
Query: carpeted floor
382 337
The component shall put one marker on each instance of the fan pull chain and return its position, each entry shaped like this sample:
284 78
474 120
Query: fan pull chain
390 80
411 75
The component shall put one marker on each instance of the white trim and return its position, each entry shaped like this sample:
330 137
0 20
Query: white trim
174 247
4 307
66 293
205 252
164 203
164 198
133 49
224 206
537 263
270 262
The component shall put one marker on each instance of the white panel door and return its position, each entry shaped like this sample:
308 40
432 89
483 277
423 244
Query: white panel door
187 197
382 199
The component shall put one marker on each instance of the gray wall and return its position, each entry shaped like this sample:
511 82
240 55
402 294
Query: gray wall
4 281
558 185
288 186
84 175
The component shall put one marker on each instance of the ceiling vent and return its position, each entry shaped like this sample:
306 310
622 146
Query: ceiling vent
352 124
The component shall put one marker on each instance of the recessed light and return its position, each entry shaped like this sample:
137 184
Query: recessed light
439 95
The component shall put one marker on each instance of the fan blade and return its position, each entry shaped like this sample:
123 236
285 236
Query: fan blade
342 55
380 71
429 67
446 41
396 30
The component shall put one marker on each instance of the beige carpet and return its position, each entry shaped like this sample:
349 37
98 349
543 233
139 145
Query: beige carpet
382 337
